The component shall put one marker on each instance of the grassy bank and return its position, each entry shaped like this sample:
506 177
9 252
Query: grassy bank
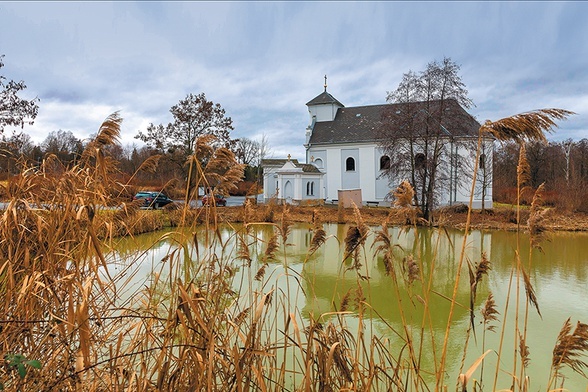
503 217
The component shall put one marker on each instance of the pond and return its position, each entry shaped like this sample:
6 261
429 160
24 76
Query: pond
320 285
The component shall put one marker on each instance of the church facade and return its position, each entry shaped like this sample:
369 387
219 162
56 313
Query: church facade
343 145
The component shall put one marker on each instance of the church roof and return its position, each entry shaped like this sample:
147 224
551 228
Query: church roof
308 168
324 99
363 123
277 162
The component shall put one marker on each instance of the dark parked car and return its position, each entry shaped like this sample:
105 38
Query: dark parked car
219 200
153 199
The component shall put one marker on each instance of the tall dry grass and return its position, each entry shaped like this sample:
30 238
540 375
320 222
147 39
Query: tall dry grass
210 319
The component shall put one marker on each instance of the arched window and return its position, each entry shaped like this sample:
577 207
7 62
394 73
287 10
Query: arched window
384 162
318 163
420 160
310 188
482 161
350 164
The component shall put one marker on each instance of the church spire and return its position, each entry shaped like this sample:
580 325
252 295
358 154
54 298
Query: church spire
325 83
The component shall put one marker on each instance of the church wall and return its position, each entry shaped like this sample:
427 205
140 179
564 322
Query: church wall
333 166
323 112
383 186
290 187
367 172
367 164
317 158
270 185
350 178
313 185
466 172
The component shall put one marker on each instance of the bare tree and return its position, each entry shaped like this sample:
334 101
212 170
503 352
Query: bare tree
64 145
195 116
422 125
566 146
14 110
485 168
14 150
246 151
264 152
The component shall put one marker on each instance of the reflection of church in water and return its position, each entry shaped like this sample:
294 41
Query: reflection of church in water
443 245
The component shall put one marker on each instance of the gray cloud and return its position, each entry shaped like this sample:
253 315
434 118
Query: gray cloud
262 61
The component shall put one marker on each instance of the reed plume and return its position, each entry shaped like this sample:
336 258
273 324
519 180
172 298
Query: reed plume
352 241
355 239
150 164
388 264
345 301
363 228
536 221
260 272
489 313
530 291
523 167
526 126
243 251
411 269
524 351
272 248
319 237
109 132
403 195
476 274
570 349
403 203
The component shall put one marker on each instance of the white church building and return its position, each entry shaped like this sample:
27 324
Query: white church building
343 154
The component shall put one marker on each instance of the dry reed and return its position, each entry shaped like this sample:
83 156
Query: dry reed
206 320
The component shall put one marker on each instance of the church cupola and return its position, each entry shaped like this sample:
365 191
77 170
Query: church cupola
323 107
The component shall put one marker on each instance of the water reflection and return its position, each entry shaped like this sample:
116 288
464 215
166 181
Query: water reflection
558 274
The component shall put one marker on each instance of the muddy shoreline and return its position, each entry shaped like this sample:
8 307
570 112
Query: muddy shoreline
501 218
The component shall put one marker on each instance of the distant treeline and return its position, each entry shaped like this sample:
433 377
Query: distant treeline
18 152
562 166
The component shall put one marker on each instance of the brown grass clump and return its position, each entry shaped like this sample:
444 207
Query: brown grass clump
403 202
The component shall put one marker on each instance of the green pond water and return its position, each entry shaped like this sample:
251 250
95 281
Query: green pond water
559 276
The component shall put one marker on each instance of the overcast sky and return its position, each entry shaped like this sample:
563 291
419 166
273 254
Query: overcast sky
262 61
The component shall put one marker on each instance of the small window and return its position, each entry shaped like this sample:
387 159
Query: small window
318 163
310 188
350 164
419 161
482 161
384 162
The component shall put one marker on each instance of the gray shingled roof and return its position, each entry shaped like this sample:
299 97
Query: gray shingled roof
323 99
363 123
277 162
308 168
